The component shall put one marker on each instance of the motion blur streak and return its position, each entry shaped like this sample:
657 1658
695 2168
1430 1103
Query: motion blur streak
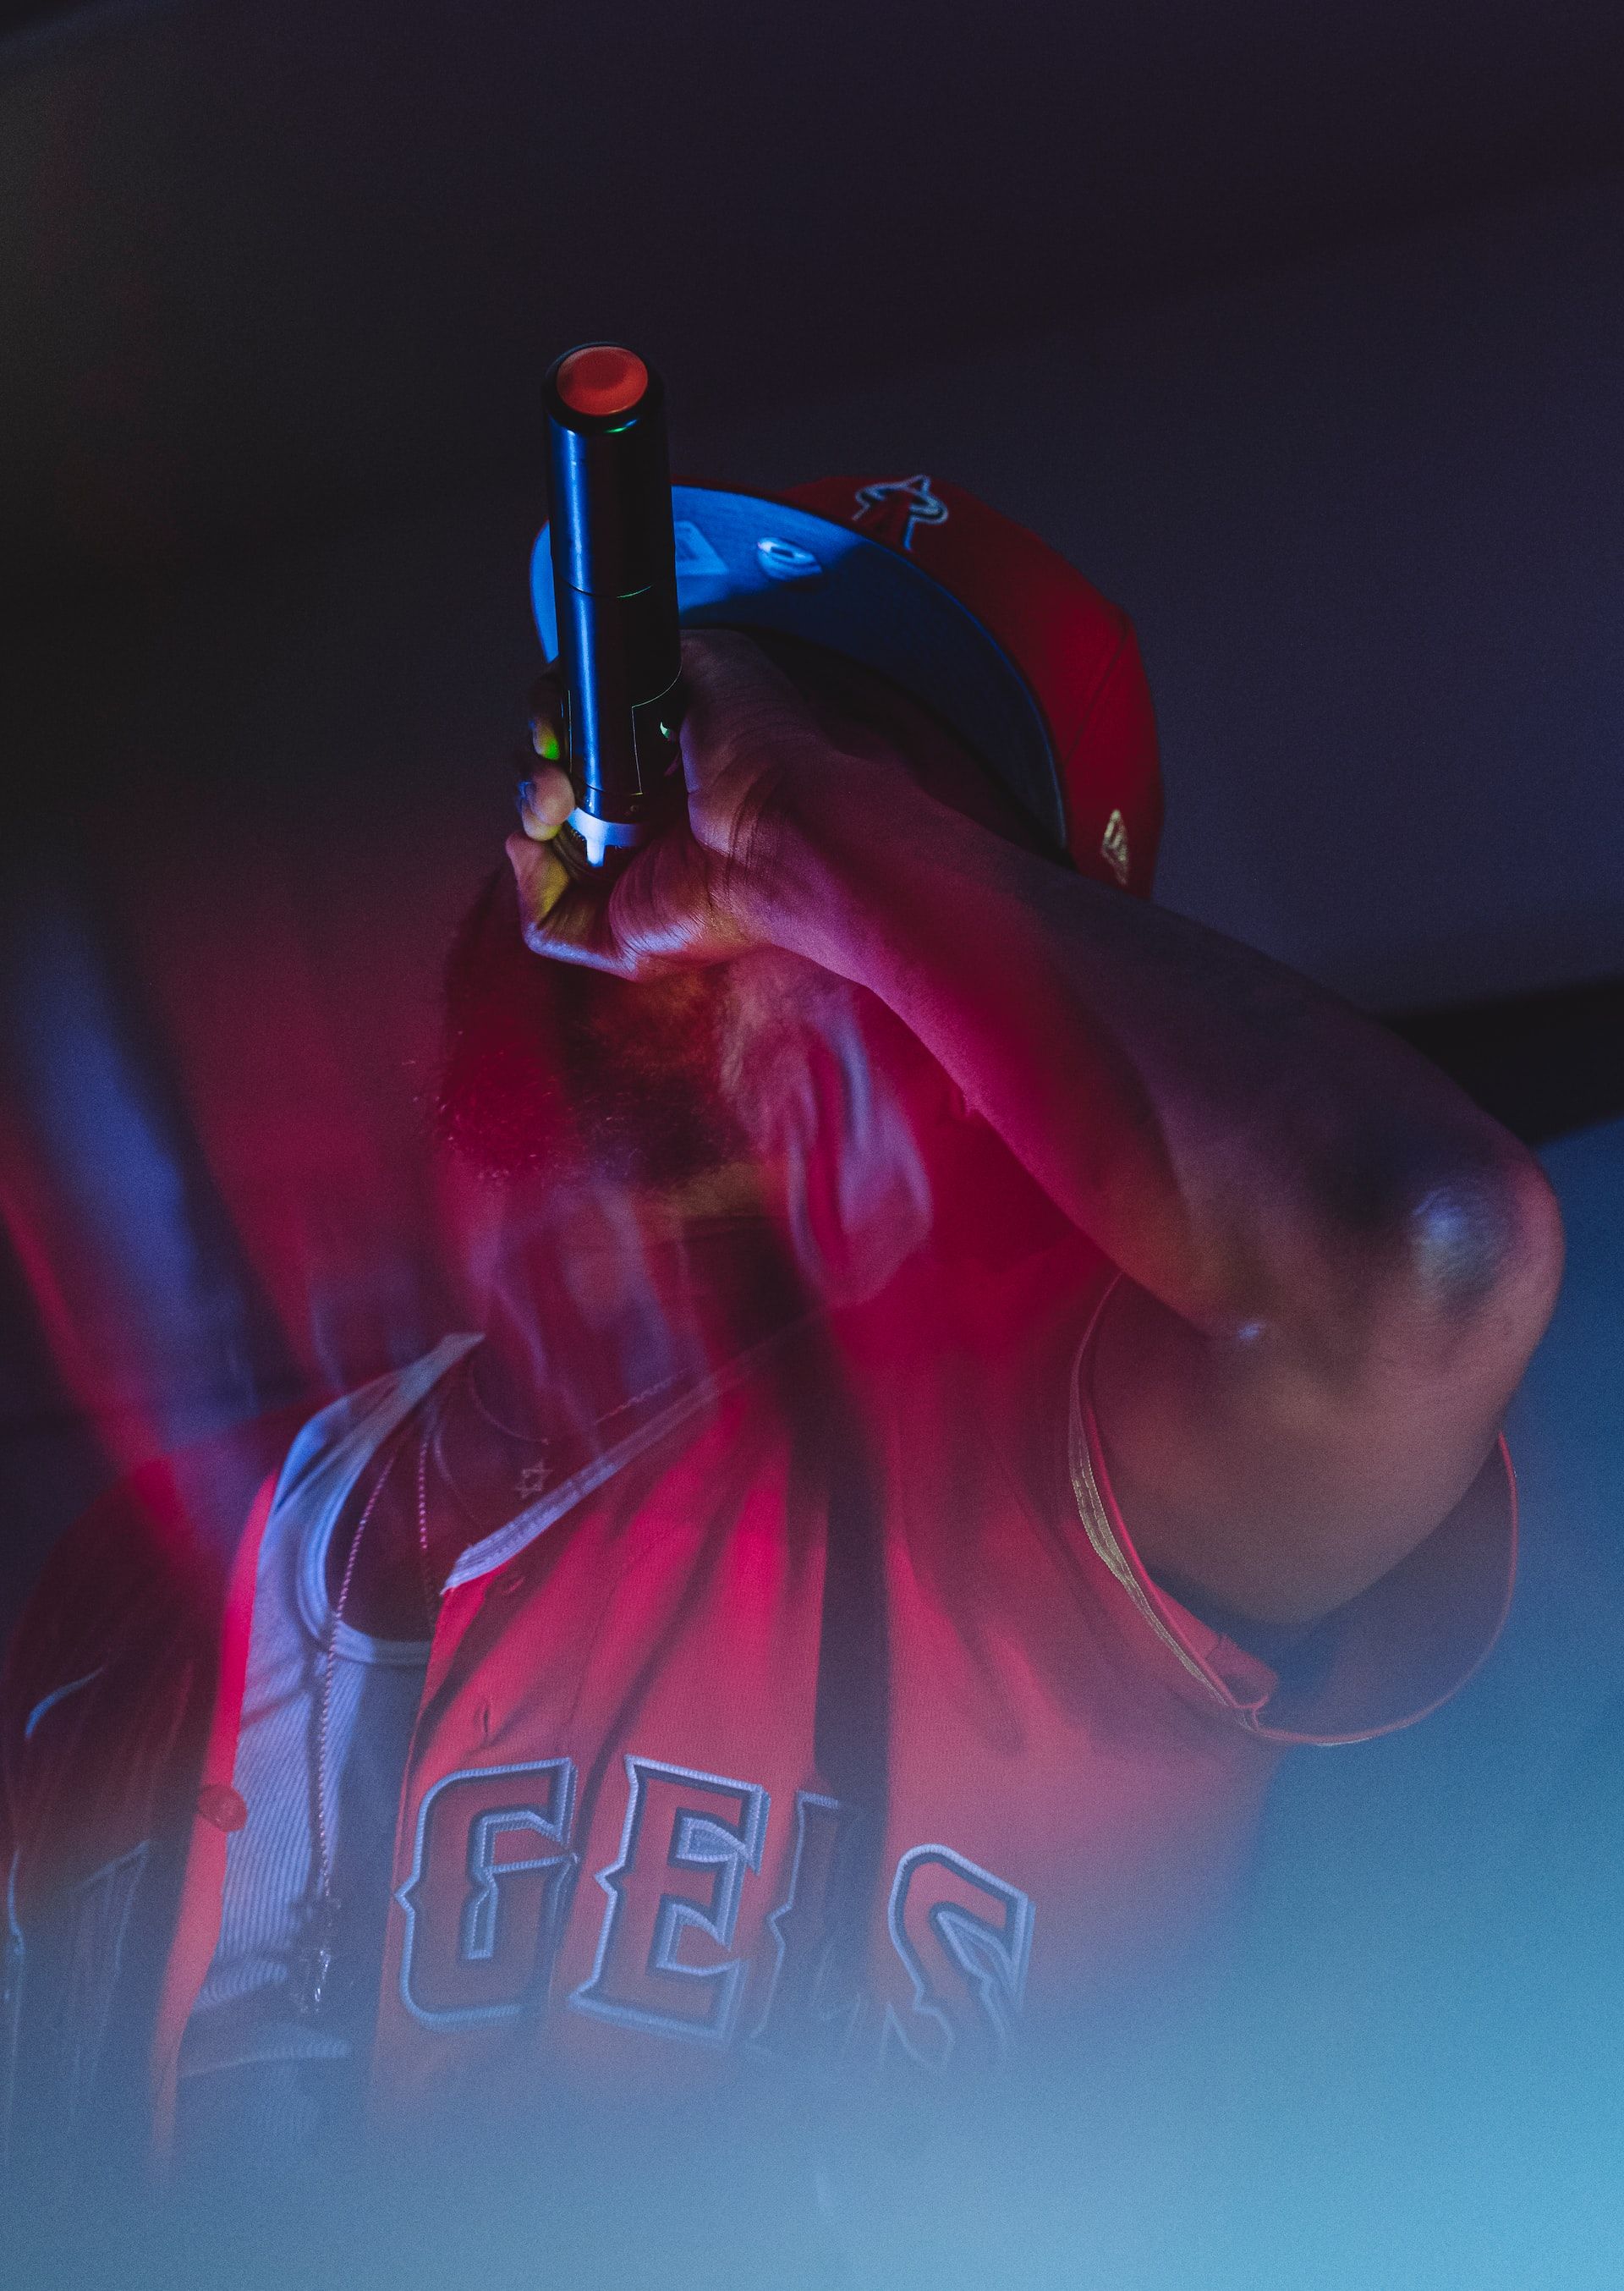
106 1208
196 1179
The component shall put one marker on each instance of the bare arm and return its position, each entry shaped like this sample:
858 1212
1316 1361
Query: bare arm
1336 1267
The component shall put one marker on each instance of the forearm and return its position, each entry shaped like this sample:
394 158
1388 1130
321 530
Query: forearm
1337 1265
1245 1147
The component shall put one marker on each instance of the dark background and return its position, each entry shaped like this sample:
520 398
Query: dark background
1301 328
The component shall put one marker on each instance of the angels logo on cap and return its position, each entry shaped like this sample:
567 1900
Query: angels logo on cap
891 510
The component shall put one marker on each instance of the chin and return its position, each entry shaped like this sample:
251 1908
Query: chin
551 1069
679 1088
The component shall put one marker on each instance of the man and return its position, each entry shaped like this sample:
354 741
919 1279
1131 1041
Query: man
970 1365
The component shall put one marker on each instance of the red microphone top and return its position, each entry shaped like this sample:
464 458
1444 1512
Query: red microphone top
602 378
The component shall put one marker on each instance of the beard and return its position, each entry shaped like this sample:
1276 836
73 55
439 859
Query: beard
584 1084
551 1067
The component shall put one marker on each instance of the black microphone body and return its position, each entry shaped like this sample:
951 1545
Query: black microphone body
615 585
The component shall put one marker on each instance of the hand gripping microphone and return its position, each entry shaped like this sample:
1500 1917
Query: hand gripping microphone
615 583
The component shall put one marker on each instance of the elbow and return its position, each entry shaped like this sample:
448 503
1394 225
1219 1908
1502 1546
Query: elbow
1435 1255
1487 1239
1472 1261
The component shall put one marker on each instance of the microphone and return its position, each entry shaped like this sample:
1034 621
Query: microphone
614 583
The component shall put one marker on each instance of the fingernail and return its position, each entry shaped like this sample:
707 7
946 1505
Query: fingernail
524 796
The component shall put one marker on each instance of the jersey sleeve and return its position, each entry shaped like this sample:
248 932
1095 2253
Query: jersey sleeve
1380 1662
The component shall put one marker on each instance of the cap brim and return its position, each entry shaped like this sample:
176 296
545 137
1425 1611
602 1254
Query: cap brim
746 563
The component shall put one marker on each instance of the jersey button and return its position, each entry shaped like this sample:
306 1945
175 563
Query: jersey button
219 1803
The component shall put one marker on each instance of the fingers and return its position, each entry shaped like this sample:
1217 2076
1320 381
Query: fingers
743 721
542 879
664 911
560 917
730 681
545 802
547 717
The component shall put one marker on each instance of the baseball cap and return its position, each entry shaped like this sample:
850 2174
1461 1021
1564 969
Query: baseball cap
962 607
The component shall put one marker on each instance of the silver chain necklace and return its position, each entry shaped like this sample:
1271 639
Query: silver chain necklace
531 1479
530 1483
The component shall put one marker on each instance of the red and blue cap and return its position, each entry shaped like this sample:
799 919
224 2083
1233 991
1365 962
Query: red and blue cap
964 609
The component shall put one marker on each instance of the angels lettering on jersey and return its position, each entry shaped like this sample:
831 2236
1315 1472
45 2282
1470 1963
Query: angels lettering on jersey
496 1879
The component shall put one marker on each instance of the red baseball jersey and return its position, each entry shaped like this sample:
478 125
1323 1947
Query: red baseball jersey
841 1724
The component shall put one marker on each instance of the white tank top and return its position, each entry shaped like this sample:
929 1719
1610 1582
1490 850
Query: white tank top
245 2009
